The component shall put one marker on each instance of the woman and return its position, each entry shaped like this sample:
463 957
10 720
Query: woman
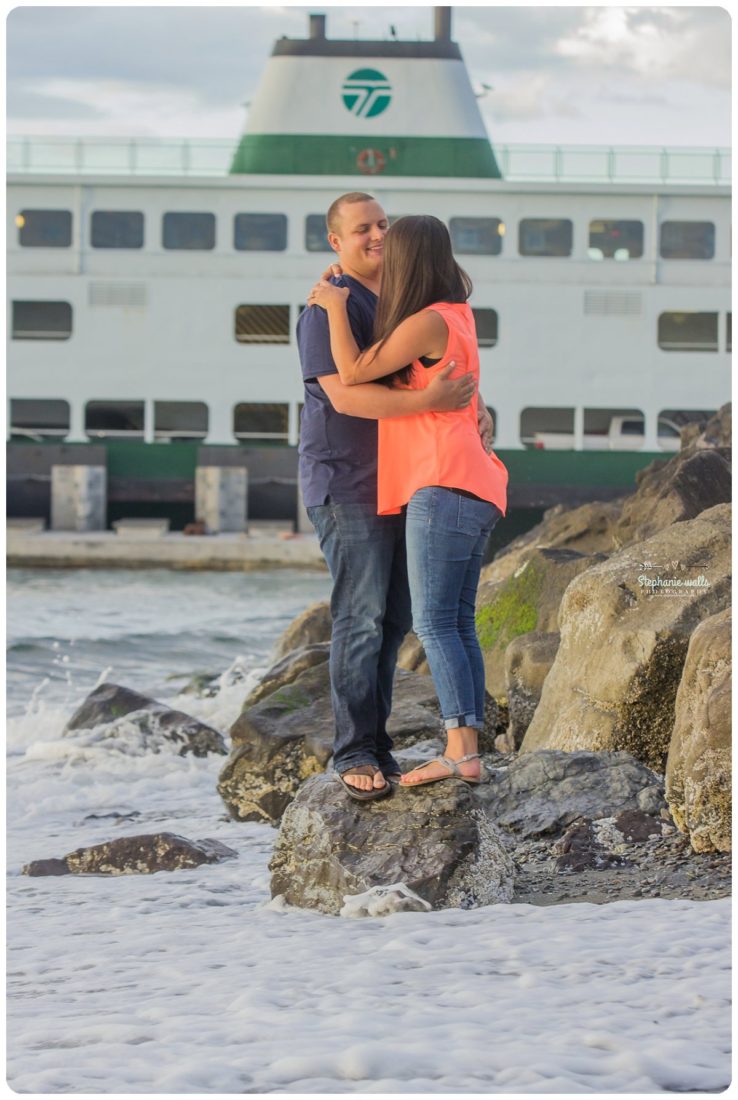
433 464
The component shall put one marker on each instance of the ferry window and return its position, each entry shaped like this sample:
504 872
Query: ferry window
263 324
486 324
260 232
729 332
180 420
545 237
114 419
117 229
259 420
688 331
316 239
477 236
188 231
37 419
42 320
615 240
44 228
687 240
546 428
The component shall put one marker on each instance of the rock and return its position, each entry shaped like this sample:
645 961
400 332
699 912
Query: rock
288 669
313 625
667 491
587 529
636 825
580 850
698 768
288 736
692 481
437 842
46 867
623 642
717 431
133 855
545 791
108 704
528 661
411 656
527 601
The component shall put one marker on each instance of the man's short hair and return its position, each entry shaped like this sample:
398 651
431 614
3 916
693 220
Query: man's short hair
334 210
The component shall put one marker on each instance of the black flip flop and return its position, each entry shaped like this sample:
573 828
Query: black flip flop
365 796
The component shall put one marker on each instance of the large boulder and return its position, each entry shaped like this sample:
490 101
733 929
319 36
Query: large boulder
436 841
528 600
624 638
698 768
135 855
287 669
288 736
693 480
111 705
312 626
667 491
544 792
528 661
586 529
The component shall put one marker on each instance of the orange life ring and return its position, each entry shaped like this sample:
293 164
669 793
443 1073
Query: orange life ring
370 162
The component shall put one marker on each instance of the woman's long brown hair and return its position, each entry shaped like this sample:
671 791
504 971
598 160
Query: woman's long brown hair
418 269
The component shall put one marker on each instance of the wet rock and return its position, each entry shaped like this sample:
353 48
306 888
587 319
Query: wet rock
698 769
623 644
545 791
526 601
288 736
135 855
312 626
438 842
287 669
528 661
636 825
109 704
580 850
41 867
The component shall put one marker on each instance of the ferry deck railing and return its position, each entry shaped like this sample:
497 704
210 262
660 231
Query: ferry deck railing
212 157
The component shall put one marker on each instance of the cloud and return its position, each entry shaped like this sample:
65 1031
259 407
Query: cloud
189 70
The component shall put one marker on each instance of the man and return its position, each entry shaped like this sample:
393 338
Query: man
370 602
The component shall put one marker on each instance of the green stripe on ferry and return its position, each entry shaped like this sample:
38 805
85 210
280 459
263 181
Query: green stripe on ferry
322 155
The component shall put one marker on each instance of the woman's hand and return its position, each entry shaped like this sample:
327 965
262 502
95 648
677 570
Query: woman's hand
325 294
446 394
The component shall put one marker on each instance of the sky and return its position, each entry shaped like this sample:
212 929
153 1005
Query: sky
635 75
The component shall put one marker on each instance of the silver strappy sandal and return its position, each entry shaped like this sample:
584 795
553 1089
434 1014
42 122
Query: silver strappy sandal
454 772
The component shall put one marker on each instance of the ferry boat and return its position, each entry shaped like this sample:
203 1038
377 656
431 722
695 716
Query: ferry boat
154 288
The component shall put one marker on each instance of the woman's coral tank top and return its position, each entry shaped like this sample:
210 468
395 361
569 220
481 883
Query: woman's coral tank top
442 448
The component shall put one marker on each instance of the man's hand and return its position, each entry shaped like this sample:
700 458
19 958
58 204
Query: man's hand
334 271
448 394
486 426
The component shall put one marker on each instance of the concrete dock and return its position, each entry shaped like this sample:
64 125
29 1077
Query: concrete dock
29 547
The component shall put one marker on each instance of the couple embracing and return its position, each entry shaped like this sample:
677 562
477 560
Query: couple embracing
400 482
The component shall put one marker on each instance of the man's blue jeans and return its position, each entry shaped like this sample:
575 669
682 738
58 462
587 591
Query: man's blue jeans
370 606
446 535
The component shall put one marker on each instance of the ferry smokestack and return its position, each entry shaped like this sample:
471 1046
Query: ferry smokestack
317 26
443 24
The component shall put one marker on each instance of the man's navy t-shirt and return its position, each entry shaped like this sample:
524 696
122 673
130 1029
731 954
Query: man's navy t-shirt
338 453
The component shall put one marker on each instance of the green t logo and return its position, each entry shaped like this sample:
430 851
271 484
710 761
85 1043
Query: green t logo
366 93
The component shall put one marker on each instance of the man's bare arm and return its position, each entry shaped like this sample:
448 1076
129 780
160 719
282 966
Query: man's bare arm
372 401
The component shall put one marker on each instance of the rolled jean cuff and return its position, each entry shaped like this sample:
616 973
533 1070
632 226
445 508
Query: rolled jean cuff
458 720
